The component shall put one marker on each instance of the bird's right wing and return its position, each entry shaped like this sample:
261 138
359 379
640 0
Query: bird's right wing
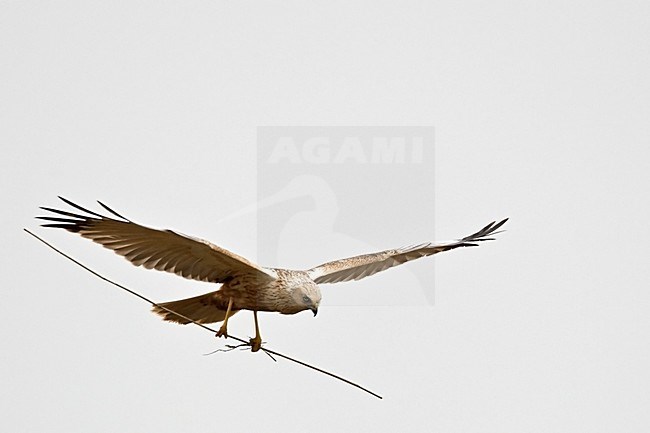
163 250
356 268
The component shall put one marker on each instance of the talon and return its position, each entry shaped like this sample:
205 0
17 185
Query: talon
256 344
222 332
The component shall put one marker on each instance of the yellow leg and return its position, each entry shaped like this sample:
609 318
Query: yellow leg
223 331
256 342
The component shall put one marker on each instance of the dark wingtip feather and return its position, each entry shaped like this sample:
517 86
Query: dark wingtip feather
490 229
78 218
60 220
62 212
502 222
493 230
76 206
69 227
112 211
73 222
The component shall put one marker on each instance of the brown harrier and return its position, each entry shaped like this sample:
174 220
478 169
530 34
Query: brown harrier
245 285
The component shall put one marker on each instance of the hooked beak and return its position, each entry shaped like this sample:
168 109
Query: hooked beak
315 311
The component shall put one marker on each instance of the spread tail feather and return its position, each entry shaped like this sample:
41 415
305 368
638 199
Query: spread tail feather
202 309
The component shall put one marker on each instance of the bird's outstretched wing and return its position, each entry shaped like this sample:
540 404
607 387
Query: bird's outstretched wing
163 250
356 268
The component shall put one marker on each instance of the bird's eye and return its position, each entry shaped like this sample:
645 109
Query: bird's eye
306 299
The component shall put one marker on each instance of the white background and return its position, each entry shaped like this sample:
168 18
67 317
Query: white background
541 114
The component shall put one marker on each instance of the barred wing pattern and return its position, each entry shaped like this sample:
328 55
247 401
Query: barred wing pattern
358 267
163 250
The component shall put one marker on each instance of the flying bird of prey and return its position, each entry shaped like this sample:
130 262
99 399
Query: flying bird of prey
244 285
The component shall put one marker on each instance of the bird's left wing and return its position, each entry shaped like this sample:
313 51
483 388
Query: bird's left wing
163 250
356 268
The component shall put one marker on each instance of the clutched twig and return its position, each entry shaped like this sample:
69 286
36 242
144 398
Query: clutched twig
244 343
240 346
230 348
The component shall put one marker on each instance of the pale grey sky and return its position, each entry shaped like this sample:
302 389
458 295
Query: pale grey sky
540 114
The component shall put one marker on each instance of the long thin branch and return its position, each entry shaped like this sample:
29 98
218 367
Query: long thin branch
149 301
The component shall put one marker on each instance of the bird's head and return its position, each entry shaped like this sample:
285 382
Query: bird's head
306 296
